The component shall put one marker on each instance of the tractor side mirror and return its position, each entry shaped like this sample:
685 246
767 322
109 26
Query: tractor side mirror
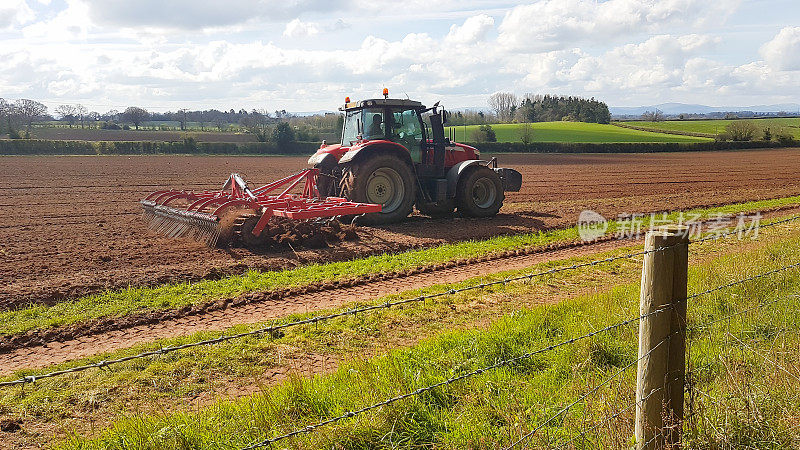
445 116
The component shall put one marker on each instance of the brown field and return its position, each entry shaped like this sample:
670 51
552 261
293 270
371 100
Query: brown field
71 225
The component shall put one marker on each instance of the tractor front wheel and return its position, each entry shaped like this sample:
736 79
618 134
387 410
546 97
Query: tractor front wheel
326 180
385 180
479 192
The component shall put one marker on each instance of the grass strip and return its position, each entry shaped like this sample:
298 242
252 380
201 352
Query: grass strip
569 132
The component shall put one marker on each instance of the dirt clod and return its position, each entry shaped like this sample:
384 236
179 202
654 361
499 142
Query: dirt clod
10 425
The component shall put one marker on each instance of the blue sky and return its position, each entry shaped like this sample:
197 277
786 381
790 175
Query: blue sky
306 55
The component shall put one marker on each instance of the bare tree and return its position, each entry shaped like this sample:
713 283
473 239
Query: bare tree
67 113
653 116
182 119
5 116
112 116
29 111
135 115
504 105
81 112
258 123
202 118
220 122
92 117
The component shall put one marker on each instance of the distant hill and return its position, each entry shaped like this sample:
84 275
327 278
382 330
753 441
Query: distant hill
683 108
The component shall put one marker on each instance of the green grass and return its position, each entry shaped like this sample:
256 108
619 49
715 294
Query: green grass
739 399
572 132
125 301
715 126
170 380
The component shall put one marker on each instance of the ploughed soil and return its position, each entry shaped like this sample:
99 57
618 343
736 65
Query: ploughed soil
71 225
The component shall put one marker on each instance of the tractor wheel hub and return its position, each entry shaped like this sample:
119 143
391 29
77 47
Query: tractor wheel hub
385 187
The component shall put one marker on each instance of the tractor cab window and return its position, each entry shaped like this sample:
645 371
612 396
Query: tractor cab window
406 129
374 123
352 128
367 122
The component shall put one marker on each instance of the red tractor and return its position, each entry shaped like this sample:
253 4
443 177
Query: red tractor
389 160
391 157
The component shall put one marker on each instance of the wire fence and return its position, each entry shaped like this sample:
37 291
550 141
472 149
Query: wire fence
524 439
317 319
452 380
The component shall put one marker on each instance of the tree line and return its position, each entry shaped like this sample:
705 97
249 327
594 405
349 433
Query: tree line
549 108
507 107
18 117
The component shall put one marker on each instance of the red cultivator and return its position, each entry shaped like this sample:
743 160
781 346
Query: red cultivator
237 212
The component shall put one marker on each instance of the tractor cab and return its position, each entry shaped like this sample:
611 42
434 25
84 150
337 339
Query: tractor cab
394 153
390 120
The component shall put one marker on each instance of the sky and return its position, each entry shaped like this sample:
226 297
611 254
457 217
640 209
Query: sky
307 55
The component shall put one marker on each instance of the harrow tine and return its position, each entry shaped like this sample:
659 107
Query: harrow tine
176 223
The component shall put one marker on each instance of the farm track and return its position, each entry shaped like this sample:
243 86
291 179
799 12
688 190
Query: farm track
60 242
258 307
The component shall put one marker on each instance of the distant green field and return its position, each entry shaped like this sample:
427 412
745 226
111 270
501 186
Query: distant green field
715 126
571 132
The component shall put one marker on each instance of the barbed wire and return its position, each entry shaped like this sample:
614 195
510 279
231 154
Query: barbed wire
610 418
707 324
738 230
597 387
419 391
317 319
766 358
744 280
710 323
349 414
583 397
655 436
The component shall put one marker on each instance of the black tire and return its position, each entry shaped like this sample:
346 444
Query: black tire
437 209
383 179
327 184
479 192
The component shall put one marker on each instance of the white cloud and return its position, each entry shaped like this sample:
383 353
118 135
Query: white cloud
298 29
783 51
14 13
558 24
70 23
473 30
193 14
274 55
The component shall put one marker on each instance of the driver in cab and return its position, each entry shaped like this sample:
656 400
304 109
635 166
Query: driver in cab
376 128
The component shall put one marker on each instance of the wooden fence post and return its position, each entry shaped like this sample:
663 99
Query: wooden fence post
662 339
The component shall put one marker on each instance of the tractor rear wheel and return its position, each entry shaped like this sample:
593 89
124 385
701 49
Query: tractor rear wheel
479 192
382 179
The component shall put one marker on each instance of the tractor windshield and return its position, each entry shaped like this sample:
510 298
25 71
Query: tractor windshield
367 122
